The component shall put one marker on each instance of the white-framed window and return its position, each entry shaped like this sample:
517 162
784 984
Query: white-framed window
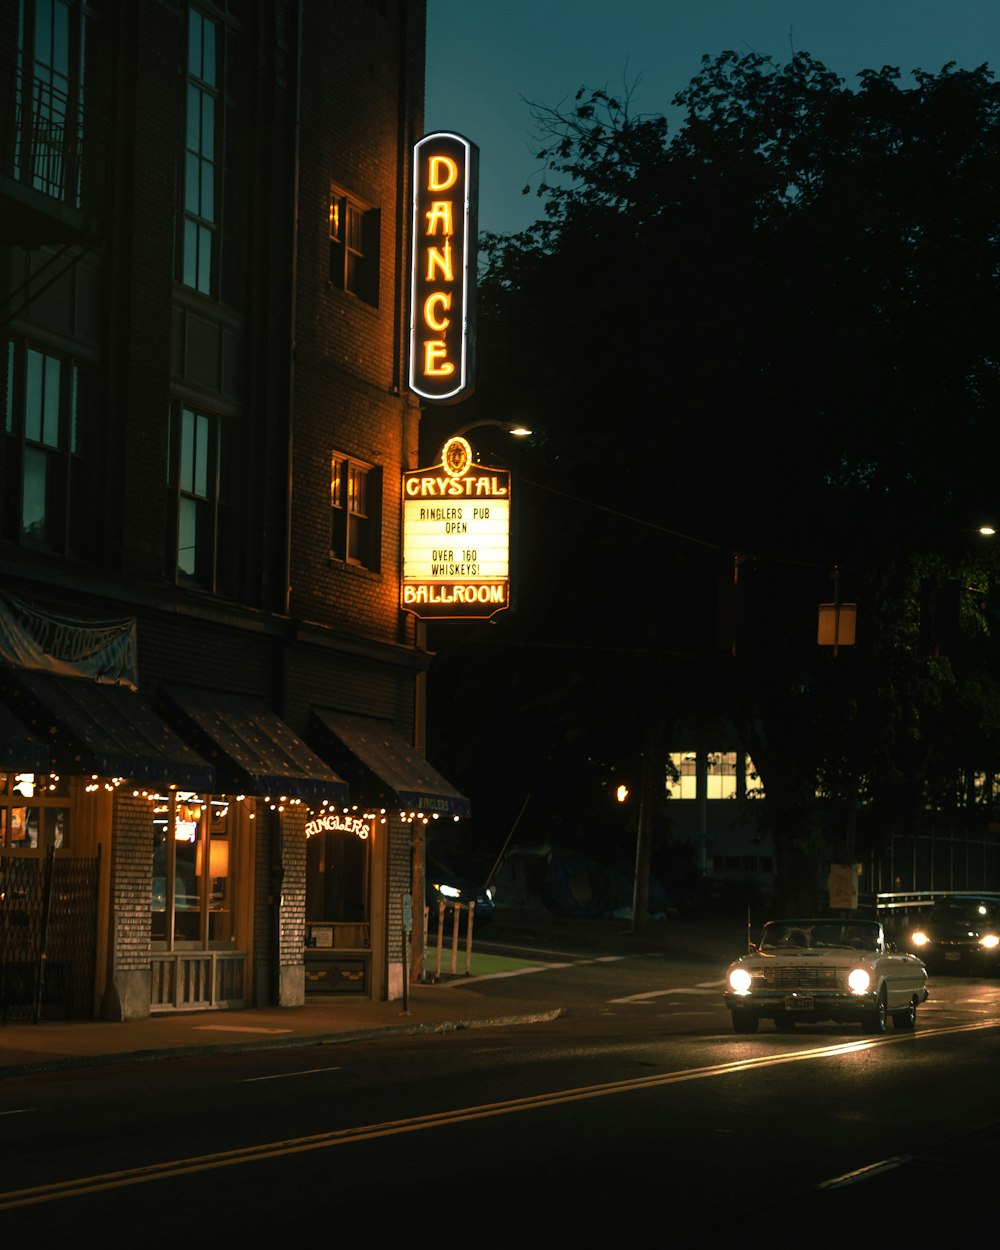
49 96
46 401
354 247
211 203
354 512
194 872
34 814
200 476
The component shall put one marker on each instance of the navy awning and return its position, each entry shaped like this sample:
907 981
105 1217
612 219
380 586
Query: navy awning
382 767
20 750
101 729
251 749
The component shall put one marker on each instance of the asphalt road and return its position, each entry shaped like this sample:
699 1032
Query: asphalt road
637 1114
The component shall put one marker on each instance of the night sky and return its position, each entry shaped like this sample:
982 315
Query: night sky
487 58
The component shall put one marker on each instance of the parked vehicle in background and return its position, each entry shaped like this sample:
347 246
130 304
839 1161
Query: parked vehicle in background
804 971
960 934
445 888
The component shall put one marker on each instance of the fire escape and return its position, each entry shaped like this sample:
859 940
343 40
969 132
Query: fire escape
54 161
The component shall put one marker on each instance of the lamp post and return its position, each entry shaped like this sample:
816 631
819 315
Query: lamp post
418 844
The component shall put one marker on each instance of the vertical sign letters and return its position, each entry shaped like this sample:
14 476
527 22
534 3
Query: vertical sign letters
443 269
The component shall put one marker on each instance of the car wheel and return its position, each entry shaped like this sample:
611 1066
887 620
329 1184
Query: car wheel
784 1022
905 1019
744 1021
874 1021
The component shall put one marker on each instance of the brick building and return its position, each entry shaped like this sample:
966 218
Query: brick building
210 722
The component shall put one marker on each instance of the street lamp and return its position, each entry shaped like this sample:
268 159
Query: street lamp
512 427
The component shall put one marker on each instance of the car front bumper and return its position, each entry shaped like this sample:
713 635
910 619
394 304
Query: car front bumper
819 1004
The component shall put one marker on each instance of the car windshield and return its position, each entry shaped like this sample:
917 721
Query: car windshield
966 911
793 935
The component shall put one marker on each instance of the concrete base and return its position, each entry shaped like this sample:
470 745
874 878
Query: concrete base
127 997
292 986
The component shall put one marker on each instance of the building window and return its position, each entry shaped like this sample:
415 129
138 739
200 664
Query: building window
46 409
337 878
48 136
211 202
728 775
200 475
34 814
194 870
354 247
354 512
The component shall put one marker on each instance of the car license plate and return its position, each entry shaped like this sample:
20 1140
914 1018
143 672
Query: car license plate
798 1003
954 956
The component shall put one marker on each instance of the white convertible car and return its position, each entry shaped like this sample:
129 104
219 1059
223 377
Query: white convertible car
811 970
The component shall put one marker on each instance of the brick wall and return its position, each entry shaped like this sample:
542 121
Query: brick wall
399 884
349 355
339 362
293 888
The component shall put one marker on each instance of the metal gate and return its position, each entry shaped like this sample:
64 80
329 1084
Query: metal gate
48 934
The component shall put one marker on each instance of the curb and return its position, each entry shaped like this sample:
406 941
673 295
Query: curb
106 1059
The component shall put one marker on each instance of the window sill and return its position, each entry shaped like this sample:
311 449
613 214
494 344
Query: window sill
355 301
355 570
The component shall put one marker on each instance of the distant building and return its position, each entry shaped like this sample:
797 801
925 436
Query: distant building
204 216
711 797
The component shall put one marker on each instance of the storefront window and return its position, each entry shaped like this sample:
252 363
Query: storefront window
34 814
337 878
193 888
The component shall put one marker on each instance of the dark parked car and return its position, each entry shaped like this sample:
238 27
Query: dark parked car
444 886
961 933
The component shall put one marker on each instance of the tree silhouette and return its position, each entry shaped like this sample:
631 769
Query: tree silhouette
765 344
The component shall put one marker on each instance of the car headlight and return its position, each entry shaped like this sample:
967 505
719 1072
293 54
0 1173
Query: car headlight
919 938
989 941
449 891
859 980
740 981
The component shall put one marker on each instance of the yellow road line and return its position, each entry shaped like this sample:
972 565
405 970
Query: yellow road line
441 1119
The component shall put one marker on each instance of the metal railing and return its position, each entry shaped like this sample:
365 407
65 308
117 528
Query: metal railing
53 141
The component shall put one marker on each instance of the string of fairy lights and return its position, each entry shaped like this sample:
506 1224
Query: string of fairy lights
372 816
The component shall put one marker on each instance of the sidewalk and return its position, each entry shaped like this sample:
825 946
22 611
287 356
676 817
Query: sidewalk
435 1008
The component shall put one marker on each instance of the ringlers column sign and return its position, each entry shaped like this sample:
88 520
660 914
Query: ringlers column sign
456 537
443 271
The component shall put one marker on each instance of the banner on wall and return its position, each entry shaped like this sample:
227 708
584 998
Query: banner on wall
99 650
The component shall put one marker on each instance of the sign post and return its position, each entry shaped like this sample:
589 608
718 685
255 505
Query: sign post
407 929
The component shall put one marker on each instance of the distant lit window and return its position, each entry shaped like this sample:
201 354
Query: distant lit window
684 781
724 772
354 247
354 512
720 774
